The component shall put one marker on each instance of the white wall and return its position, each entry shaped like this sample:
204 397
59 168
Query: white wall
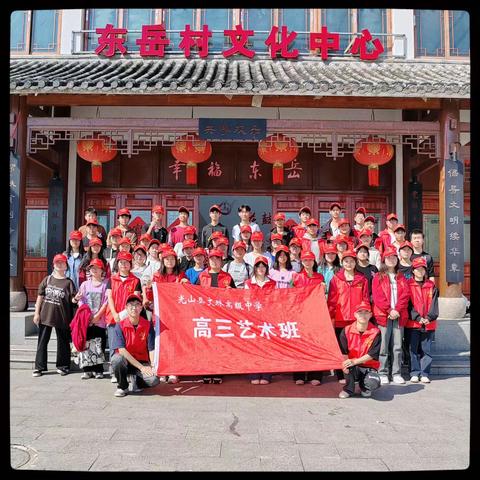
402 22
71 21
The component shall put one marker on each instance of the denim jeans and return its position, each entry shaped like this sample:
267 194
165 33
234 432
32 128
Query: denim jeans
420 352
392 339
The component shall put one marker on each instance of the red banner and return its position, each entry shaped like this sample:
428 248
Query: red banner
206 330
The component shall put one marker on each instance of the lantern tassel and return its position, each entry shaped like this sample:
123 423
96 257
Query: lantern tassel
373 176
277 172
191 173
96 172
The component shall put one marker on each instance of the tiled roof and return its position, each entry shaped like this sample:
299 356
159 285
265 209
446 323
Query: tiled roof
230 77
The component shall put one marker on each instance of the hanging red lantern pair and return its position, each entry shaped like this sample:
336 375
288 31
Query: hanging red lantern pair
97 150
190 149
373 152
278 149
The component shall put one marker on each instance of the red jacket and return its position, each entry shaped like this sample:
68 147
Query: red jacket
136 340
299 231
359 345
383 241
79 325
168 278
302 279
343 297
121 289
422 296
382 298
270 285
307 245
224 279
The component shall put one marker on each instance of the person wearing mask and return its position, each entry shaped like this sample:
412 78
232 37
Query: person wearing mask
281 229
258 250
329 265
365 267
244 212
359 220
308 276
156 229
93 293
360 344
91 214
110 253
54 309
365 236
300 230
311 240
282 271
214 226
391 294
387 236
133 345
94 250
74 254
215 277
295 248
417 239
422 321
347 289
199 256
239 270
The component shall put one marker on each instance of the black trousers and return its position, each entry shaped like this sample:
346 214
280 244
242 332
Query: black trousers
63 347
339 373
357 374
96 332
122 368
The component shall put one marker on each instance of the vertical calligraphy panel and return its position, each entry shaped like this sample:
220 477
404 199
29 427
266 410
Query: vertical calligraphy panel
14 211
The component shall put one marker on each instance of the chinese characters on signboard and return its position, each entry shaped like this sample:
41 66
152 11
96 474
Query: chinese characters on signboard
454 218
14 210
154 40
232 129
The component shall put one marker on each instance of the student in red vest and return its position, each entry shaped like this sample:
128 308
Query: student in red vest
301 229
119 287
360 344
260 281
347 289
422 321
134 345
359 220
308 276
391 294
387 237
214 276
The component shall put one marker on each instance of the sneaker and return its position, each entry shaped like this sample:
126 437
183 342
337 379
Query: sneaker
207 380
414 378
113 378
343 394
384 380
398 379
173 379
120 392
342 381
99 375
217 380
366 393
63 371
425 379
37 373
256 381
264 381
86 375
315 382
299 382
162 379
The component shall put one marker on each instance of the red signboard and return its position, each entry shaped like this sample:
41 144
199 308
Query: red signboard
204 330
154 40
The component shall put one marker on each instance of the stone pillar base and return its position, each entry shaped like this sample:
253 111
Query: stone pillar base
18 301
452 308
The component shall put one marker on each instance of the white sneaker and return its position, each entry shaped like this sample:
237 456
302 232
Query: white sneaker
315 382
120 393
384 380
398 379
299 382
342 381
425 379
113 378
99 375
163 379
343 394
86 375
414 379
173 379
37 373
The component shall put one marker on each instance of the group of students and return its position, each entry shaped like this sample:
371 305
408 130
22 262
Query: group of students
379 289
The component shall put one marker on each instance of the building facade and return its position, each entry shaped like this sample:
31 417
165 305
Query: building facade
318 87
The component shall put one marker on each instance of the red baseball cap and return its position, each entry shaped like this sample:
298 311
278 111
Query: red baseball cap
363 306
215 207
343 221
188 244
167 252
307 255
335 204
364 232
279 216
216 234
223 241
215 252
75 235
124 240
245 228
330 248
419 262
133 296
59 257
183 209
361 210
165 246
392 215
124 211
295 241
239 244
199 251
370 218
158 209
96 262
399 227
94 241
92 222
362 245
145 236
389 252
276 236
153 241
140 247
282 248
115 232
261 259
257 236
349 253
190 230
406 243
305 209
312 221
342 238
124 256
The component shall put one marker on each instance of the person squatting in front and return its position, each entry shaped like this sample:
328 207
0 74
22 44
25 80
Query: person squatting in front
134 345
360 344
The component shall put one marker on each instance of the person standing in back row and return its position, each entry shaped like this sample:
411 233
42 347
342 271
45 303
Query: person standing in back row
245 213
214 226
177 232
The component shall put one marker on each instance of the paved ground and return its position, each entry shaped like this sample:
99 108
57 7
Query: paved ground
64 423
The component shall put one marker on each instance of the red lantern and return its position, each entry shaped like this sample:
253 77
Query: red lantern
278 149
373 153
191 150
97 150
